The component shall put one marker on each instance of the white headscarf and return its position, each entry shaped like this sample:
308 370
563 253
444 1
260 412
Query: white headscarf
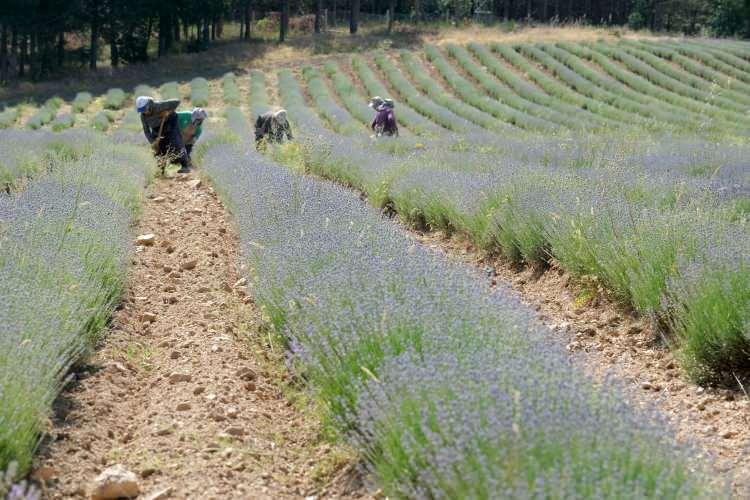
199 114
280 116
142 102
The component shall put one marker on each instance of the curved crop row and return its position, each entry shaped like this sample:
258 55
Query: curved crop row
690 76
608 104
471 95
414 121
686 95
647 104
505 94
712 59
706 75
63 257
715 53
608 90
438 114
434 91
553 87
445 387
526 90
354 102
338 118
642 85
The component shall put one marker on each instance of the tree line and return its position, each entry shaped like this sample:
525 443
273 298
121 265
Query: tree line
40 37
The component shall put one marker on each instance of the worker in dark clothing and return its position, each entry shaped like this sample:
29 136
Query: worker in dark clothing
272 126
161 127
385 119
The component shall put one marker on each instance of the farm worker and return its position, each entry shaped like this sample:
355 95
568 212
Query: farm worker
272 126
375 102
191 127
385 119
161 127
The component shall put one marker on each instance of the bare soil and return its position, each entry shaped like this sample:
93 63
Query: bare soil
610 343
185 390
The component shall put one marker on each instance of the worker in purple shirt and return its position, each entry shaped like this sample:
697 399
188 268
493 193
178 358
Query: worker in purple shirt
385 118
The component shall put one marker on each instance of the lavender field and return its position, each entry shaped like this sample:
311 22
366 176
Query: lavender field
624 164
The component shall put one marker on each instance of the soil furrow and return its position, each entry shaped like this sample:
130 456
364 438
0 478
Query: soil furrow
181 391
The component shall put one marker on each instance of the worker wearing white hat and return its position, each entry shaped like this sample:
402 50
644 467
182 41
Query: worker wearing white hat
161 127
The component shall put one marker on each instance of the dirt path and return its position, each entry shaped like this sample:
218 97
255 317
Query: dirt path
179 393
608 342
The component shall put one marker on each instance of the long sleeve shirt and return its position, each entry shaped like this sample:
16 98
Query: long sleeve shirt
190 133
151 118
269 127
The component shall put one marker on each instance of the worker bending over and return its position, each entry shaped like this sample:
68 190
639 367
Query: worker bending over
191 128
162 130
272 126
384 122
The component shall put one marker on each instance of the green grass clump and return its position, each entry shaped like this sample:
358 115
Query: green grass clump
42 117
62 122
115 98
102 121
8 117
82 101
199 92
143 89
231 91
170 90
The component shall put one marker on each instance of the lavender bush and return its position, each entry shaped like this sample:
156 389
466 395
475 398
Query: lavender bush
63 252
445 386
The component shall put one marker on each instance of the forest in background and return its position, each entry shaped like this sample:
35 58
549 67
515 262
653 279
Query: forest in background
42 38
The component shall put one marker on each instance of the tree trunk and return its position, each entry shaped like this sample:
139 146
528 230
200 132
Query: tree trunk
23 57
318 16
506 9
34 56
333 12
247 21
248 24
545 9
114 51
60 49
353 16
284 25
3 53
391 14
528 9
94 45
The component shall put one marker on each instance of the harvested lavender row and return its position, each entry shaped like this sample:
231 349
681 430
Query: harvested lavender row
445 386
64 243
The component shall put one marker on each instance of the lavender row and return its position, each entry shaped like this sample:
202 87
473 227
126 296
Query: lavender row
446 387
629 212
27 154
64 243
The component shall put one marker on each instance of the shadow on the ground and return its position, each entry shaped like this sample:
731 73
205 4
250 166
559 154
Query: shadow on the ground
221 57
